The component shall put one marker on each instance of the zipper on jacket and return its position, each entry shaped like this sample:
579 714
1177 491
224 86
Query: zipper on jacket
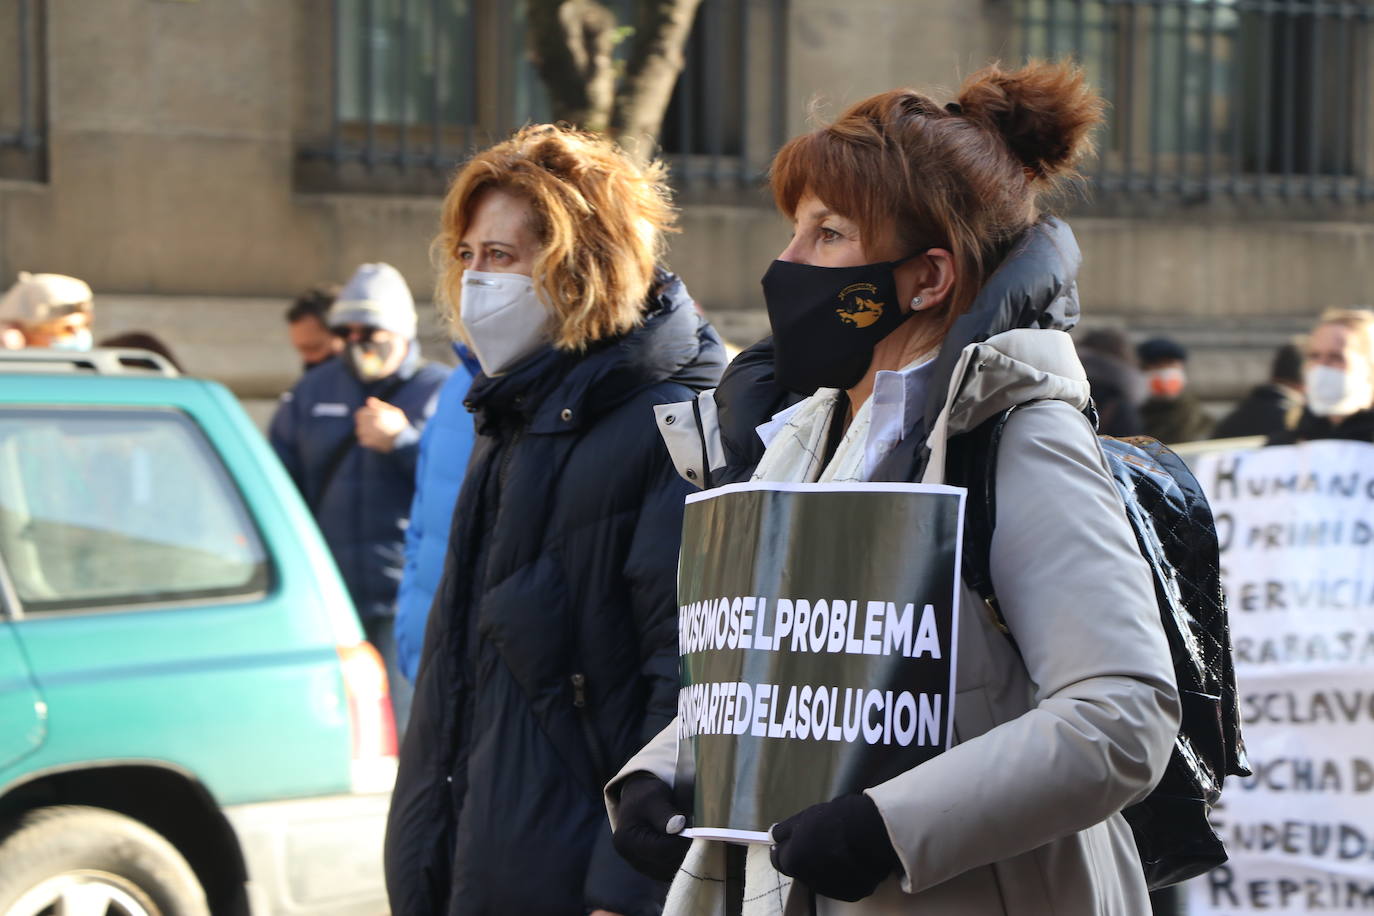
579 686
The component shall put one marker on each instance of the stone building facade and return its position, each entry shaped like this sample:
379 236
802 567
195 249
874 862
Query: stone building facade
200 161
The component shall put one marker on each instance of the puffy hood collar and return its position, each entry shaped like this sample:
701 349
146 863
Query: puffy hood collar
1012 368
1010 348
1034 287
557 392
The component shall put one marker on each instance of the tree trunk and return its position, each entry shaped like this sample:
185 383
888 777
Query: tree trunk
655 63
573 44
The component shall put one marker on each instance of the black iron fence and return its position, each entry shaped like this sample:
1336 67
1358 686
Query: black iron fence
21 89
417 85
1210 98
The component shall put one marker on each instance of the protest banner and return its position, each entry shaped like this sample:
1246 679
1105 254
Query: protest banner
817 634
1296 528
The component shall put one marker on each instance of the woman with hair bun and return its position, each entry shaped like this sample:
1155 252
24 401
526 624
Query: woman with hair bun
550 654
1072 718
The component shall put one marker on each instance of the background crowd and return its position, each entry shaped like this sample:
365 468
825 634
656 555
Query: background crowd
383 499
362 336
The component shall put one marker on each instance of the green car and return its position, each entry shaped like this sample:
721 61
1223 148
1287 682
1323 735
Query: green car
190 720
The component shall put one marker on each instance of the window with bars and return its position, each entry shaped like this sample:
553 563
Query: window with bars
419 84
22 111
1250 98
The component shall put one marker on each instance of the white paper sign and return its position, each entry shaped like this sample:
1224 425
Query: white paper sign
1296 525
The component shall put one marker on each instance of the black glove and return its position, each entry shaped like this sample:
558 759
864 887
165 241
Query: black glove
838 848
641 838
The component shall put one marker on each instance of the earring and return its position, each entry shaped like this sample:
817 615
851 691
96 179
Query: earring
916 302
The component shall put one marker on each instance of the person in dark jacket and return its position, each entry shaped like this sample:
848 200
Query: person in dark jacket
1338 379
308 328
550 655
1116 383
1270 409
445 446
1171 413
349 433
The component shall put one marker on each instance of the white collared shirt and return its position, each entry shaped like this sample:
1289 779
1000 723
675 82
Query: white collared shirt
898 402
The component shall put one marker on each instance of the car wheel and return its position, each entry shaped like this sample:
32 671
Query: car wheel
93 862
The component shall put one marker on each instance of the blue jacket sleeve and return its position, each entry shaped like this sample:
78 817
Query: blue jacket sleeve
410 615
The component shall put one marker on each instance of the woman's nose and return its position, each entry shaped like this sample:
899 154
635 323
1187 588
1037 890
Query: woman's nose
792 253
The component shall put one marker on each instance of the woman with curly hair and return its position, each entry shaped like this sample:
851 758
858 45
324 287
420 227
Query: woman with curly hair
550 655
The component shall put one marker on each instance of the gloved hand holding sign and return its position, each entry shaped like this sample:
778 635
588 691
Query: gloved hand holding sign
647 815
838 848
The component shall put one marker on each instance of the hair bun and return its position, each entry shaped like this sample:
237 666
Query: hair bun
1044 111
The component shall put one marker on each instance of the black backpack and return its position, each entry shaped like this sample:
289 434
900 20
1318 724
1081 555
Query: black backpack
1175 532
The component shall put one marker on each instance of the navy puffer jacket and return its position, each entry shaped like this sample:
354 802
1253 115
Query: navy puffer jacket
550 655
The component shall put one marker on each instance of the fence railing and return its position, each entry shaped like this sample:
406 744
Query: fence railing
21 86
1211 98
418 85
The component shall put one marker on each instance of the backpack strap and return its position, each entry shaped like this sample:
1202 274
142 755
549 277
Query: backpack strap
971 462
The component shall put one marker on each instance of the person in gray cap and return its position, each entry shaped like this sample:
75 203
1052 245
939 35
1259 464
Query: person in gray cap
348 434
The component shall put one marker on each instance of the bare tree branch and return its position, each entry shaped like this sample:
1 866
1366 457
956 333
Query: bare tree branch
655 63
573 44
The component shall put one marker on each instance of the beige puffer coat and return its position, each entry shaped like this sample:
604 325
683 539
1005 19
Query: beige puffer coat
1022 816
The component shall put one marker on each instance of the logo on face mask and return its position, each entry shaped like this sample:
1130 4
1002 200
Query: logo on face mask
807 352
857 311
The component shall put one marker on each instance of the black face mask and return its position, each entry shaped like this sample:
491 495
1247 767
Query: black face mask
827 320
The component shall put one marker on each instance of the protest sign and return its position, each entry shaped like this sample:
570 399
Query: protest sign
817 636
1296 528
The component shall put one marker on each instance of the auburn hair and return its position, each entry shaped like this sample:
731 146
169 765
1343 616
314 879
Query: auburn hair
966 176
600 220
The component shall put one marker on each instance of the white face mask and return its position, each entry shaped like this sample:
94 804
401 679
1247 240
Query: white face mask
504 318
1337 392
77 340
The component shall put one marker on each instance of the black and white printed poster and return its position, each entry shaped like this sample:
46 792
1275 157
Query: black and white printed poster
817 632
1296 529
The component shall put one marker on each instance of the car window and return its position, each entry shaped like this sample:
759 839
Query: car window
108 507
